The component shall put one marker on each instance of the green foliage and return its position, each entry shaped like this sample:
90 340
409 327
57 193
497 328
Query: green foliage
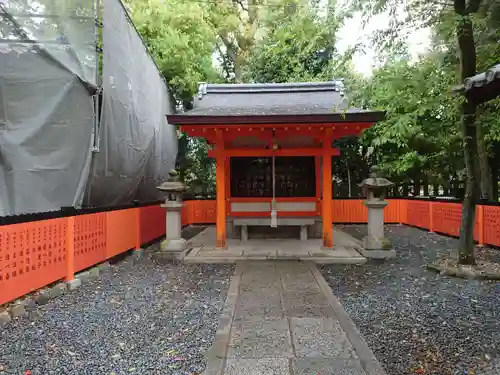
419 137
180 40
197 169
298 46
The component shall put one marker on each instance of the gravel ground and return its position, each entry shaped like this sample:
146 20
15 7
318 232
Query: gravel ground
140 316
416 321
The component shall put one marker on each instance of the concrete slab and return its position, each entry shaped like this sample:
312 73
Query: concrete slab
260 366
259 249
266 302
281 318
260 337
320 337
304 311
326 366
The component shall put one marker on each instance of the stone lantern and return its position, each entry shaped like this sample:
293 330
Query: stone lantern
173 245
375 188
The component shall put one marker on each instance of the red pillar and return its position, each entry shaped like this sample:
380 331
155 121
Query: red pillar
220 179
70 249
327 191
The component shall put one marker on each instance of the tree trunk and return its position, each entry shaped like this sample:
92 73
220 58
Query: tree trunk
435 190
416 188
466 239
467 55
405 190
348 178
446 190
484 164
494 178
426 188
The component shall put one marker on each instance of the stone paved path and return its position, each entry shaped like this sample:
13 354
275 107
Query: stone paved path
280 318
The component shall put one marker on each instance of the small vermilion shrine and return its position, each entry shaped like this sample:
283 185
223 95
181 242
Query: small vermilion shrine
273 145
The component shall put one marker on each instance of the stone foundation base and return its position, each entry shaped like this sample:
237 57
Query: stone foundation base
173 245
372 243
315 230
377 248
173 249
378 254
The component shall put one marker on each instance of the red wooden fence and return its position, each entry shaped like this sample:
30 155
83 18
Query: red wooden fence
35 254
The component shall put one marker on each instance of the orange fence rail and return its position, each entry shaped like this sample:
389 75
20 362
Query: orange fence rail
35 254
39 253
354 211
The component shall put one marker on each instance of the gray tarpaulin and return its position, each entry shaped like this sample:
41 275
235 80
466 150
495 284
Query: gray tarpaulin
47 77
47 121
137 146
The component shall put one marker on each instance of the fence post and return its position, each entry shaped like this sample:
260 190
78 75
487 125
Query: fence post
431 217
70 249
400 212
138 229
480 235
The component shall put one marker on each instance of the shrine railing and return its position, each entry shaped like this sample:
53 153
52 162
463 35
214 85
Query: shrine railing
435 215
36 253
46 248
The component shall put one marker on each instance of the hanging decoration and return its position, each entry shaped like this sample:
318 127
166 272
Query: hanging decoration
274 213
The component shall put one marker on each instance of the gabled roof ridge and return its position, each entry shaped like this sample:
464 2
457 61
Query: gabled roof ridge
205 88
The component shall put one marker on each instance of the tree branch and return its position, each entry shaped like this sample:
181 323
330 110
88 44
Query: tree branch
443 3
240 3
472 6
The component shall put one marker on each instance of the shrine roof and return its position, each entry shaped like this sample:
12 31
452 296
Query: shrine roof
482 87
272 103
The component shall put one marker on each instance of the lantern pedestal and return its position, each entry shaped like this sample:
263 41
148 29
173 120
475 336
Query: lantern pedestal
375 239
375 245
173 246
173 242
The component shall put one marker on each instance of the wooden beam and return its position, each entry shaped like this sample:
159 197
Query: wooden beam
220 178
266 214
269 199
317 173
282 131
241 152
327 190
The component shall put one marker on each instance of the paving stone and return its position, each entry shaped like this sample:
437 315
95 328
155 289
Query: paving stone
83 276
259 307
58 290
249 254
305 311
220 253
73 284
285 253
94 272
34 314
314 337
29 304
326 366
4 318
259 337
214 366
17 310
261 366
104 266
305 297
42 297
